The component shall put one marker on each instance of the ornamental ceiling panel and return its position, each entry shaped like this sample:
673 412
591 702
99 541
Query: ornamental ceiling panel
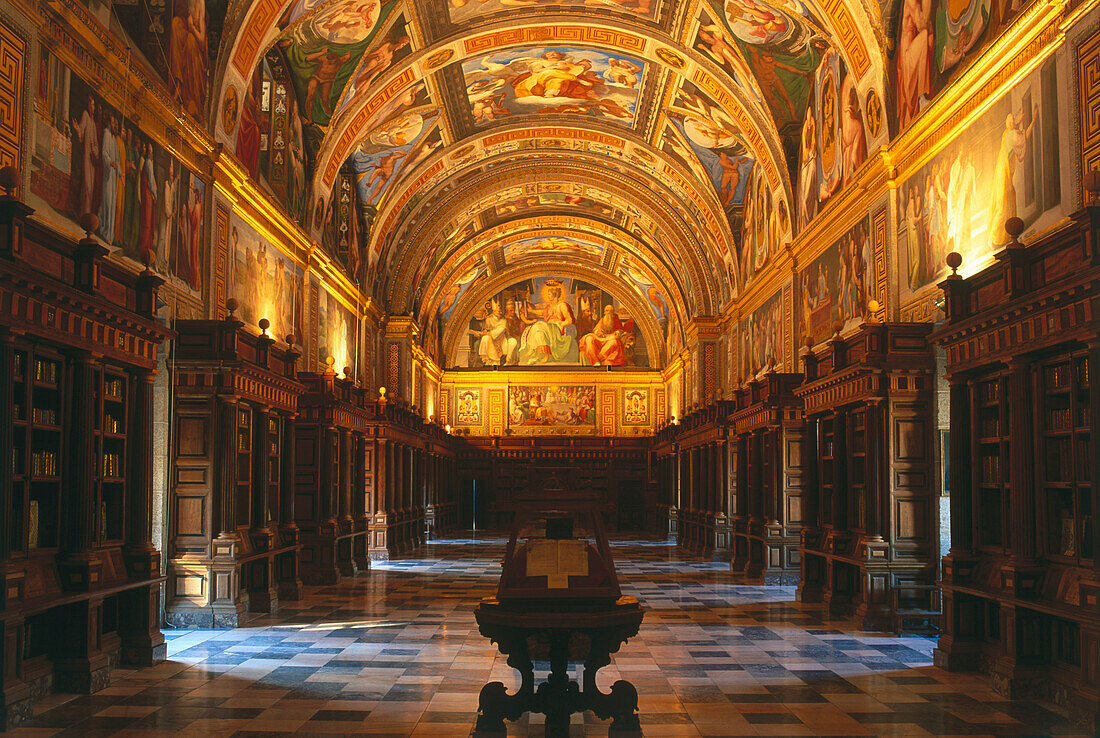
437 144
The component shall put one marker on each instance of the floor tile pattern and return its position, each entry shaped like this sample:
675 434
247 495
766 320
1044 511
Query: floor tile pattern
396 652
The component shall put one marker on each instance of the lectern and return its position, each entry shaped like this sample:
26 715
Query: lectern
558 601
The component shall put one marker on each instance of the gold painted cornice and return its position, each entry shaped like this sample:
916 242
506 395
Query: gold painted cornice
564 376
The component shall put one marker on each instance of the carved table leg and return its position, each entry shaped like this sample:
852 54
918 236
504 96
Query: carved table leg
495 705
621 704
558 696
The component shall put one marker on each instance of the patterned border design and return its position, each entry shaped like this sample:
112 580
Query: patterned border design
1088 86
878 236
710 358
221 258
660 406
922 310
445 407
13 64
607 412
557 34
846 29
394 373
264 15
496 412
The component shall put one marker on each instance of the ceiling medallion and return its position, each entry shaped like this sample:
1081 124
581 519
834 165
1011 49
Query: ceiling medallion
230 108
874 113
670 58
439 58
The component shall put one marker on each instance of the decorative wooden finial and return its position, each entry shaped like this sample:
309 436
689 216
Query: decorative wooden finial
9 180
264 325
231 306
1092 185
838 326
89 222
290 339
347 372
955 260
1014 227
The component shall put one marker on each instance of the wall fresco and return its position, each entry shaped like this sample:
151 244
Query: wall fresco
837 287
552 321
531 408
1006 164
90 158
265 283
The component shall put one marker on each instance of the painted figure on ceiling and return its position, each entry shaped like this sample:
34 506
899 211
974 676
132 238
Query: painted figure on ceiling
552 336
853 140
189 56
914 59
605 345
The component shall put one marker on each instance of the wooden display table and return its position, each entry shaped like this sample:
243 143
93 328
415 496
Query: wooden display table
558 633
559 601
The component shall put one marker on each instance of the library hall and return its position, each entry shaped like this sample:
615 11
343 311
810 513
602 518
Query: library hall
487 368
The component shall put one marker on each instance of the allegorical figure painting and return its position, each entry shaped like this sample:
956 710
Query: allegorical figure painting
1004 165
179 39
782 47
833 145
553 80
838 286
323 52
555 246
636 406
934 40
717 143
265 283
553 321
468 406
336 331
552 406
89 158
762 339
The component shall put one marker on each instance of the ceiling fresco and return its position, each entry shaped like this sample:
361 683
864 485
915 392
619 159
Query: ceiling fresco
662 151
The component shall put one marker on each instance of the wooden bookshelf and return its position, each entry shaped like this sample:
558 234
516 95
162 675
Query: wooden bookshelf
693 457
81 576
330 491
233 543
411 486
769 429
869 542
1021 585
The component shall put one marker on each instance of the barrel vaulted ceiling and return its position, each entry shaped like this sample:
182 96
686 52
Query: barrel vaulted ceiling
646 145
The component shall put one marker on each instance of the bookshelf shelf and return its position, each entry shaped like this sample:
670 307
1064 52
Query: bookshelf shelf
73 542
1021 583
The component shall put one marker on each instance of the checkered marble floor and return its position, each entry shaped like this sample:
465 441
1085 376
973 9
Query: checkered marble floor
396 652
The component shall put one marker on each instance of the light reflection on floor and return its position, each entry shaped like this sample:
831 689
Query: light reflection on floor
396 651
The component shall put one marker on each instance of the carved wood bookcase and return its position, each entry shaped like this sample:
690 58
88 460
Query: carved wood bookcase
768 497
78 354
1020 584
870 538
233 545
